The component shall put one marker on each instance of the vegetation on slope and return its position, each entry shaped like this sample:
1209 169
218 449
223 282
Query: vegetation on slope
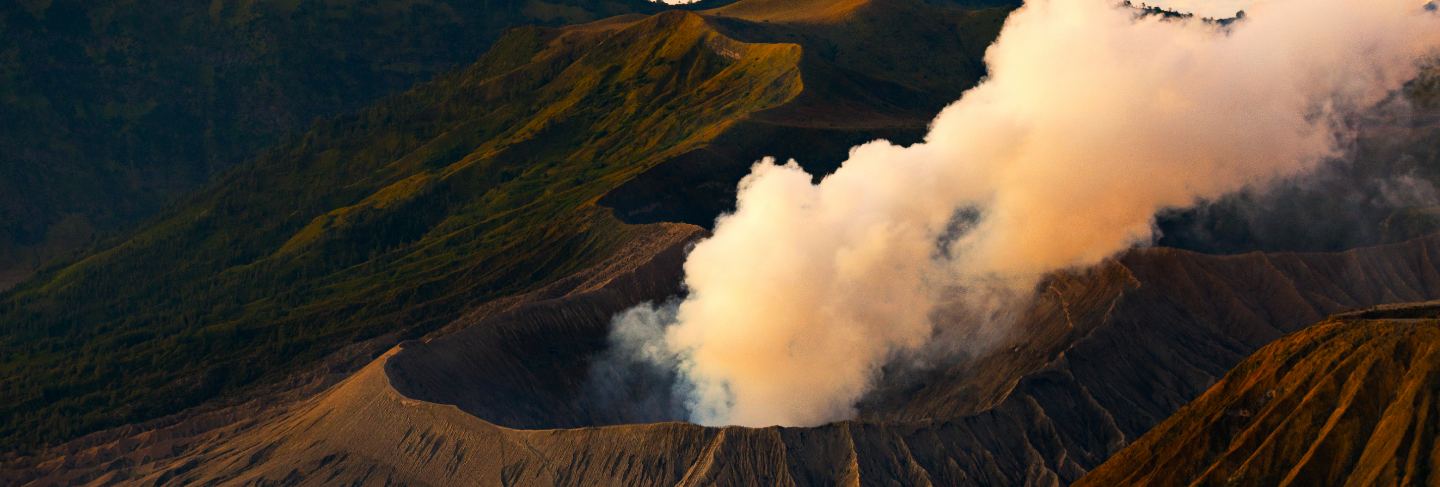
870 72
476 185
109 108
1351 401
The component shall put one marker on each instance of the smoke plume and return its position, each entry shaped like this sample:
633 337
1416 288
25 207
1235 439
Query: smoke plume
1091 121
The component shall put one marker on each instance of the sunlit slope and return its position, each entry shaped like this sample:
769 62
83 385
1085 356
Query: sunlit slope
1352 401
478 185
819 12
908 57
797 11
872 69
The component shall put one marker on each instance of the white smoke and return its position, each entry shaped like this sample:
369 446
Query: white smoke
1091 121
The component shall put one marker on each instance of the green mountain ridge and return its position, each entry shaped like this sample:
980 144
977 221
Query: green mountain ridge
392 219
478 185
111 109
869 73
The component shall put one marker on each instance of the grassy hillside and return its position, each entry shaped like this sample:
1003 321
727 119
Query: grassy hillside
480 184
870 72
110 108
476 185
1352 401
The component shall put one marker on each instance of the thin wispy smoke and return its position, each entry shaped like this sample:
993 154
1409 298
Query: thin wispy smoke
1091 121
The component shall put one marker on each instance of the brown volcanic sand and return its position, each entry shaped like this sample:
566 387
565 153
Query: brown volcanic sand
1112 352
1103 356
1351 401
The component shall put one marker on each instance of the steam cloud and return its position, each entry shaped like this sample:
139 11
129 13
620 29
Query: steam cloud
1091 121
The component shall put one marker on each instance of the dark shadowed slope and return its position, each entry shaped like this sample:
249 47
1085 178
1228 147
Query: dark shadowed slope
109 109
1351 401
1384 190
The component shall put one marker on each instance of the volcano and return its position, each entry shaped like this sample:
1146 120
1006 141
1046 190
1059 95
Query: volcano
420 288
1108 355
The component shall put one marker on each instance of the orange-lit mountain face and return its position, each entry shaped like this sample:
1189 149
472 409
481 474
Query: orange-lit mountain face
1348 401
